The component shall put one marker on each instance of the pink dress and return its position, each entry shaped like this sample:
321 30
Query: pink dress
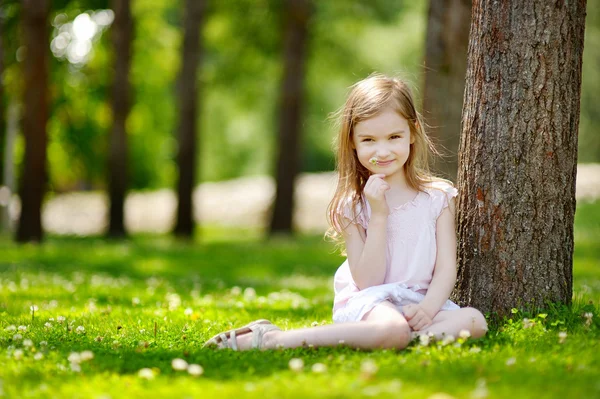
411 254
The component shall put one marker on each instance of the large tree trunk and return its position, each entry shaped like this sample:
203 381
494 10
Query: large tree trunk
290 113
445 67
188 96
33 178
518 157
122 29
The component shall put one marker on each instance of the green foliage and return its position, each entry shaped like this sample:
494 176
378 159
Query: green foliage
144 302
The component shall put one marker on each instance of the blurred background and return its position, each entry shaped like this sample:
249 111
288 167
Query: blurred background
240 74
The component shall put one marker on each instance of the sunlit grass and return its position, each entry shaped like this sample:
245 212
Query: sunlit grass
141 303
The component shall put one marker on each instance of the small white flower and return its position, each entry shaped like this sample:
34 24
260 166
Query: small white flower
86 355
33 308
48 324
249 293
373 161
136 301
179 364
44 343
51 319
18 354
319 368
296 364
38 356
142 331
146 374
27 343
75 367
481 391
17 337
195 370
60 319
74 357
22 328
80 330
188 312
475 349
235 291
368 368
448 339
511 361
12 327
464 334
424 340
562 336
528 323
314 324
341 342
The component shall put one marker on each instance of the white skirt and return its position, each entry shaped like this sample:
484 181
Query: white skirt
365 300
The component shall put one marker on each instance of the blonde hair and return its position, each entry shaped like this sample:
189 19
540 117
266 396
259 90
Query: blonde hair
367 98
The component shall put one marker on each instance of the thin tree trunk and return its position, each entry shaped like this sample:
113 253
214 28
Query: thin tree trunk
445 68
188 96
33 179
290 113
12 129
518 154
118 174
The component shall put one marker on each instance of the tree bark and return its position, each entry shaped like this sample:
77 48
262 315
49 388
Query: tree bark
518 156
445 67
188 99
35 116
290 113
2 103
122 29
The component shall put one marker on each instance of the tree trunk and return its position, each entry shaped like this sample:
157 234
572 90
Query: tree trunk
188 96
122 29
445 68
290 112
518 156
33 178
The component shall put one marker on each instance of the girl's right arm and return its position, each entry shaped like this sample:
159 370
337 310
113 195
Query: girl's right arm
367 250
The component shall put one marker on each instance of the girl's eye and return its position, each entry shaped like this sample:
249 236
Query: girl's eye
364 140
396 136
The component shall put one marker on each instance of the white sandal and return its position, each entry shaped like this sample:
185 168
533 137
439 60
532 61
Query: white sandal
228 339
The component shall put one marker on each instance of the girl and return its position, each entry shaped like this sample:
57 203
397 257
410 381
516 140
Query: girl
397 223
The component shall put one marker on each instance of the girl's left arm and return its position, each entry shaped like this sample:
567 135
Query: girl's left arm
444 273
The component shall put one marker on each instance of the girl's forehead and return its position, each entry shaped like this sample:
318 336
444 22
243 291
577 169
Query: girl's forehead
386 121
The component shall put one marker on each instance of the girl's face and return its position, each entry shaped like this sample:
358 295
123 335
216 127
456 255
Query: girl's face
383 142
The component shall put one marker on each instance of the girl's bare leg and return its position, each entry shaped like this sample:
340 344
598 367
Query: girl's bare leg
382 327
451 322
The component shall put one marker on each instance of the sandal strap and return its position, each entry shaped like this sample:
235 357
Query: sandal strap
224 340
233 341
258 331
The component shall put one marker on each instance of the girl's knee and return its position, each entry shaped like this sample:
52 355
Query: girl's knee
477 324
392 334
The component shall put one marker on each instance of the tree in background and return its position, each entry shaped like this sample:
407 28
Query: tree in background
118 169
445 67
290 113
32 185
518 154
2 103
188 96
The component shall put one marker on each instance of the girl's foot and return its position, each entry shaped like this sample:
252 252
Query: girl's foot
244 341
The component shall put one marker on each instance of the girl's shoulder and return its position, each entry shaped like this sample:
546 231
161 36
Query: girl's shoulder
357 212
440 193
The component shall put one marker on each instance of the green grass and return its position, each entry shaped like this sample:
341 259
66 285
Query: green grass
131 300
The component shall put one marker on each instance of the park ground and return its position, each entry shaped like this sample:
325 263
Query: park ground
90 318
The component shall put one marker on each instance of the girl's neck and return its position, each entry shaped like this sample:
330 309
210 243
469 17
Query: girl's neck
398 183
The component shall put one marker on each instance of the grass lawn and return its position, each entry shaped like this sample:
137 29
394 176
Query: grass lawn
104 310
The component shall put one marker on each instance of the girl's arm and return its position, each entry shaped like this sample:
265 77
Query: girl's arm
367 251
444 273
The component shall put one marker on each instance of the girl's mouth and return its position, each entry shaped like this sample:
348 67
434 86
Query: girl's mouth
384 163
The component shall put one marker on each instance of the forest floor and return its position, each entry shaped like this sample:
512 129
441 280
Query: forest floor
242 202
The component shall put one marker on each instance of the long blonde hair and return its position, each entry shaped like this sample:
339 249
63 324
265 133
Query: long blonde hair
366 99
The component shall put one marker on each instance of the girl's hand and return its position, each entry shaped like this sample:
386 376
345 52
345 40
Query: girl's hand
416 317
375 192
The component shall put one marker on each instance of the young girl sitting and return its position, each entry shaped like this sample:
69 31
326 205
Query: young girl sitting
397 223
